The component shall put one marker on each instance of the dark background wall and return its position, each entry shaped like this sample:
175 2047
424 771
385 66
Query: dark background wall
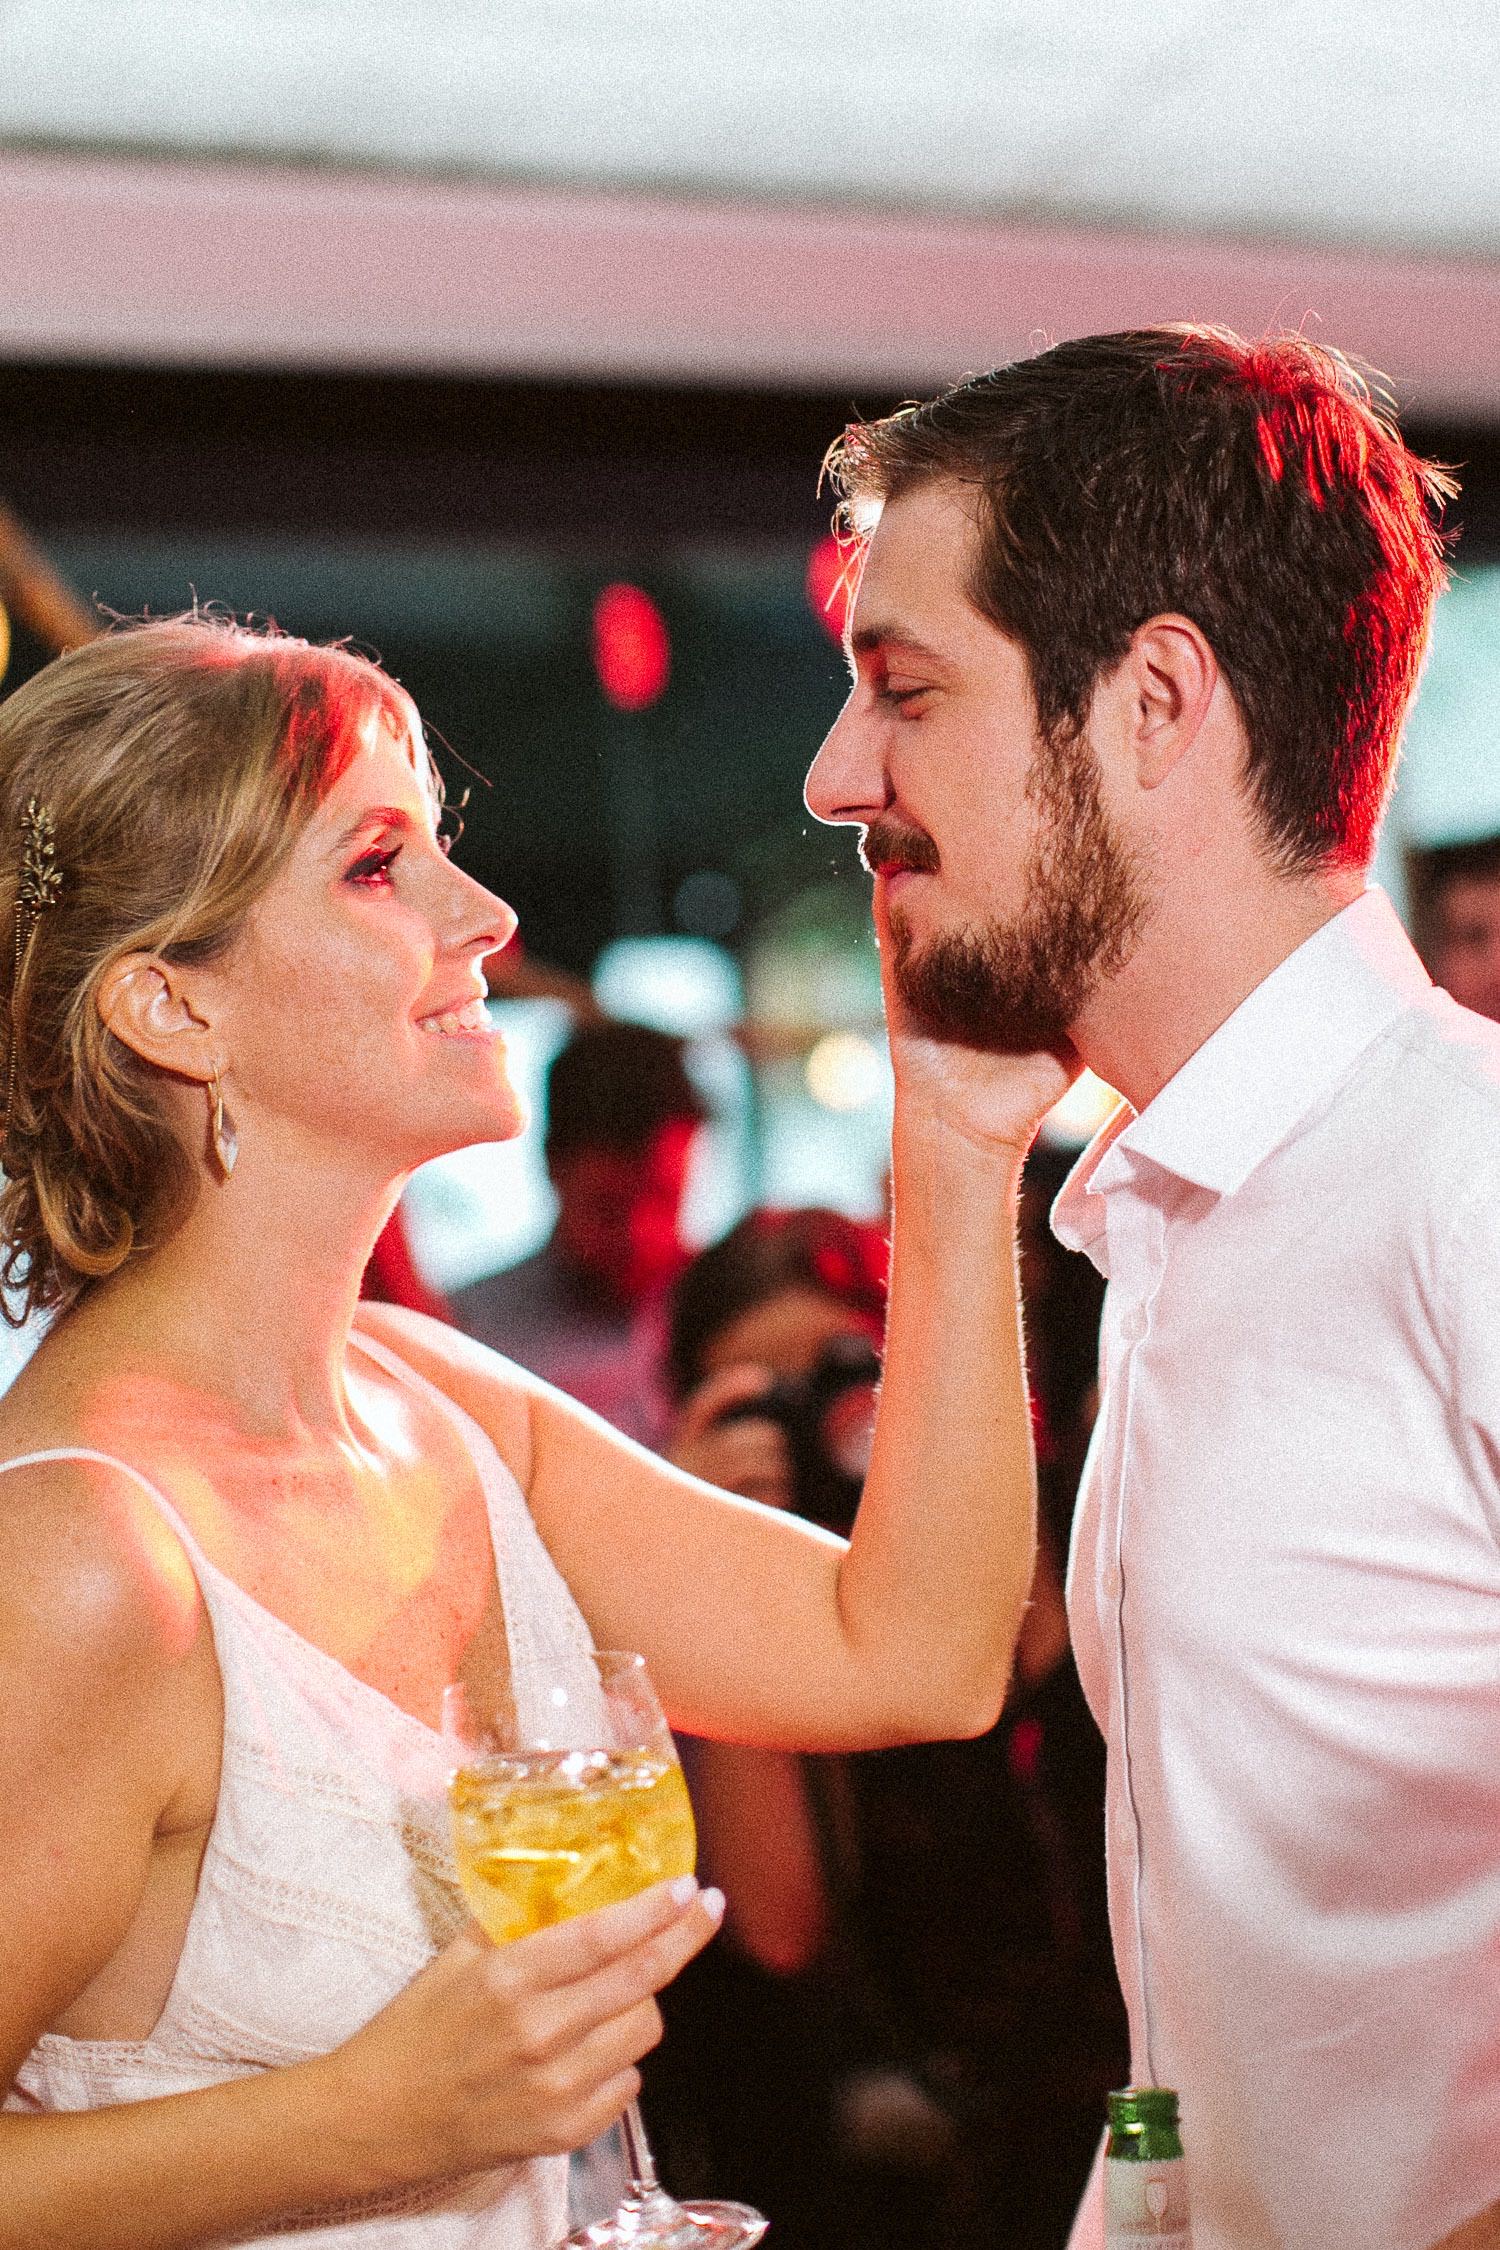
463 530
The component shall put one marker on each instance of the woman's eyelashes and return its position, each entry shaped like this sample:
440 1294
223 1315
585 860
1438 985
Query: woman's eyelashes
899 698
373 869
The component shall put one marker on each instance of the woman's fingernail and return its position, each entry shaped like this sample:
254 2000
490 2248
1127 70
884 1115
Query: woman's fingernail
713 1905
682 1890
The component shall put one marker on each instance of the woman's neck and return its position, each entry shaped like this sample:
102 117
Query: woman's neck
251 1300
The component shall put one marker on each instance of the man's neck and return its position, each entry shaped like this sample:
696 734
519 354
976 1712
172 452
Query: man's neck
1201 957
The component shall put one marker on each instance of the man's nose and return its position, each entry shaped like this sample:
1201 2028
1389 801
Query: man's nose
846 781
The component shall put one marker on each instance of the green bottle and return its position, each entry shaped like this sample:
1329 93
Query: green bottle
1145 2183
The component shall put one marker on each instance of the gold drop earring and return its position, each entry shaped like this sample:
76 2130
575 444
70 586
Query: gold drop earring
221 1128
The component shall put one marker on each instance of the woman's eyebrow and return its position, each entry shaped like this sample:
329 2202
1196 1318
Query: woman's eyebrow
376 816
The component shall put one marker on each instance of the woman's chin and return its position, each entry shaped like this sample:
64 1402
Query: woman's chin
503 1119
444 1128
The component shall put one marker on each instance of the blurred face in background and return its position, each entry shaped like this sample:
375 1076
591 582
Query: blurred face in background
815 1348
1466 943
786 1334
620 1210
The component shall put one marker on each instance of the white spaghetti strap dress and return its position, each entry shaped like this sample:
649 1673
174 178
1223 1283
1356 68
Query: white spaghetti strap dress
328 1879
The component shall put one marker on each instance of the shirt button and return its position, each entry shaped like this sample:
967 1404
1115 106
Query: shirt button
1133 1326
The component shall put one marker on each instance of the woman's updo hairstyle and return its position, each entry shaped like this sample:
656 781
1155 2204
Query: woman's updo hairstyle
179 760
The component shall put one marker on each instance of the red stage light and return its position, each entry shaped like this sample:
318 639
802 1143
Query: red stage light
830 583
632 651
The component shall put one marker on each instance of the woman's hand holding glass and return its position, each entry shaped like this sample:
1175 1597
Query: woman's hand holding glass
562 1812
495 2053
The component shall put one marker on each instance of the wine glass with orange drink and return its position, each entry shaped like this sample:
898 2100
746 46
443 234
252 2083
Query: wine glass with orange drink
578 1805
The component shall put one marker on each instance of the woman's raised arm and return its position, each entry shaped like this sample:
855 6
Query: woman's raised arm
758 1626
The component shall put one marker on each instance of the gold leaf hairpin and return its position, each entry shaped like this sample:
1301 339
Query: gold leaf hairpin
40 879
37 889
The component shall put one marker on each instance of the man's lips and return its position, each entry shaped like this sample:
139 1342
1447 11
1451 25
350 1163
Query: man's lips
895 863
890 849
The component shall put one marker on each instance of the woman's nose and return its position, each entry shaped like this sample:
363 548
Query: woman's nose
487 923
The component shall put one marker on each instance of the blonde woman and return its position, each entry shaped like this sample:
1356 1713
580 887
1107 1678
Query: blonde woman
250 1527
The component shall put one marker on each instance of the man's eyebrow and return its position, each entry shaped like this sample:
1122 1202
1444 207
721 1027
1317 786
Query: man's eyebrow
870 640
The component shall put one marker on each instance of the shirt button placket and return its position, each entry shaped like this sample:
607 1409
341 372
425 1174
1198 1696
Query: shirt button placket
1144 1271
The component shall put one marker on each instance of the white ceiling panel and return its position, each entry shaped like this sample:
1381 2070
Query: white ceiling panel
1326 121
865 191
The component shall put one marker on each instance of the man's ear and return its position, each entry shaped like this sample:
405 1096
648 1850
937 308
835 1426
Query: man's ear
1170 677
144 1001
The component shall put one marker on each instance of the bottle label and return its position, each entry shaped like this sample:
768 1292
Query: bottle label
1146 2203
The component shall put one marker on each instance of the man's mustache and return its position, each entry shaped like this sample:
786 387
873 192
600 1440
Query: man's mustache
889 847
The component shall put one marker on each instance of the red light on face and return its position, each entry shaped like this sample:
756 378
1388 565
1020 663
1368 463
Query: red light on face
632 653
831 573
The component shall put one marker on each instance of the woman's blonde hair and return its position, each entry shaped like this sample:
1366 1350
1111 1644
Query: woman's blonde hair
179 760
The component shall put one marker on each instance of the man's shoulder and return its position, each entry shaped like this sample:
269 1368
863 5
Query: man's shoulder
1447 1063
1421 1115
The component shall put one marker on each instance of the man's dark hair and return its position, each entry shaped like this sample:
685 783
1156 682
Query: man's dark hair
1431 872
1254 488
614 1085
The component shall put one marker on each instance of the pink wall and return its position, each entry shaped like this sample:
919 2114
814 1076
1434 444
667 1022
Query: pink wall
120 259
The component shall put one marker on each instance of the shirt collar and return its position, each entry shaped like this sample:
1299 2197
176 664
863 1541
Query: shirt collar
1251 1083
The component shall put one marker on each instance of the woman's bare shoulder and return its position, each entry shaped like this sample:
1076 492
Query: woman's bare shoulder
99 1607
92 1573
492 1390
110 1719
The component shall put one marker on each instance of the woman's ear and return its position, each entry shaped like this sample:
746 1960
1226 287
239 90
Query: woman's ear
144 1001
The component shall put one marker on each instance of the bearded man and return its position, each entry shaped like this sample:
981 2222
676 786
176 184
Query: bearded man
1136 627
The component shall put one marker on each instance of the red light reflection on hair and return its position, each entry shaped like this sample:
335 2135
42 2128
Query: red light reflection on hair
632 652
830 583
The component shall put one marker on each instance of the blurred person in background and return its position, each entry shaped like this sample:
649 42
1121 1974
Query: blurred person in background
393 1276
1455 897
585 1312
968 1966
1063 1293
1135 631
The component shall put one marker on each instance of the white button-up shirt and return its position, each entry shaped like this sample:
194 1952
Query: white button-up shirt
1285 1596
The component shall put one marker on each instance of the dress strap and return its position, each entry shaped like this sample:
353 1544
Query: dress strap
112 1461
477 1439
544 1628
498 1482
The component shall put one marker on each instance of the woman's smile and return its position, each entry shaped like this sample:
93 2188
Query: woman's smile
470 1020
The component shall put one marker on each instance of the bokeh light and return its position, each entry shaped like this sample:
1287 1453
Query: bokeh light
845 1071
632 649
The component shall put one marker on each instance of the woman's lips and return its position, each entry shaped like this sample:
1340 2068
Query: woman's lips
470 1021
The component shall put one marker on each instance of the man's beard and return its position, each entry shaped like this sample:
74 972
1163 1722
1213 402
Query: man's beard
1014 988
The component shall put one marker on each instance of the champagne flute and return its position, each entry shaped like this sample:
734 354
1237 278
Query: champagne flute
575 1807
